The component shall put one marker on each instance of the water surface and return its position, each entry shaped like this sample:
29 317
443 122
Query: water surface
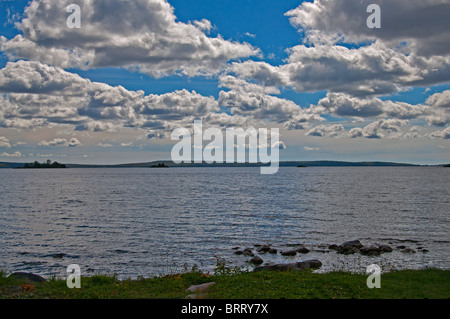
144 222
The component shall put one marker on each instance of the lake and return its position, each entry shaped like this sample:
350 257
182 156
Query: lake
145 222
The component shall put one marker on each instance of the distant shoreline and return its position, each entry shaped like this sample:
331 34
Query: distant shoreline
325 163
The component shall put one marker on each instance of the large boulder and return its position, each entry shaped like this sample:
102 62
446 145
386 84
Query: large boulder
303 265
256 260
352 244
28 276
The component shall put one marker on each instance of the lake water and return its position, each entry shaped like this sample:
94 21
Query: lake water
144 222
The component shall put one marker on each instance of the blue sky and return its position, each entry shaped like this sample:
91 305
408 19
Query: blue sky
334 87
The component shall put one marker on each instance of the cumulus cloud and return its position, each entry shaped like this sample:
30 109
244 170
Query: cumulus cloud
440 100
444 134
410 49
434 111
333 130
383 128
4 142
62 142
15 154
142 34
421 24
40 95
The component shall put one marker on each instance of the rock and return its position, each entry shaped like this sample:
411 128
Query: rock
235 248
303 265
256 260
385 248
375 251
408 251
425 250
248 252
303 250
311 264
370 251
401 247
333 247
201 288
272 251
28 276
264 249
347 248
353 244
238 252
292 252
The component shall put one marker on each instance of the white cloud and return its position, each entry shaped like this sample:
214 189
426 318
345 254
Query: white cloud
4 142
440 100
310 149
142 34
409 50
62 142
105 145
421 24
444 134
15 154
383 128
334 130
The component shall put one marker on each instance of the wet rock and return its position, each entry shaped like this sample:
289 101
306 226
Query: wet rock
264 249
303 250
303 265
374 250
348 250
348 247
272 251
238 252
401 247
248 252
28 276
408 251
370 251
385 248
256 260
292 252
352 244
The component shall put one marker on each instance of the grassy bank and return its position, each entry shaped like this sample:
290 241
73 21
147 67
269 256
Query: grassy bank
410 284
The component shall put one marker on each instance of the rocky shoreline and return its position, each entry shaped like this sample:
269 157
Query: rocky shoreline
262 256
346 248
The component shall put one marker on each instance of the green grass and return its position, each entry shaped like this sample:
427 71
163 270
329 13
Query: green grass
406 284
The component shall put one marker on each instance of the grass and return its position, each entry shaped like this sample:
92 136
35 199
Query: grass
405 284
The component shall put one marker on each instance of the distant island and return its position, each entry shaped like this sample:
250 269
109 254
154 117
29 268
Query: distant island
448 165
160 165
37 165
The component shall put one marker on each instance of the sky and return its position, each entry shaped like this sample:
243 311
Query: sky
114 90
